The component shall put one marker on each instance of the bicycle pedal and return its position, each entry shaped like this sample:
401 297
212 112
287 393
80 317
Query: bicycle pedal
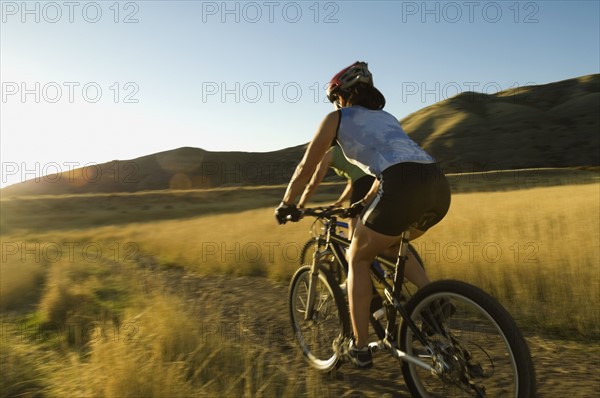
376 346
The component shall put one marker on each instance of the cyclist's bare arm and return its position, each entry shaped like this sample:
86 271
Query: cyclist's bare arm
372 192
314 154
317 178
345 195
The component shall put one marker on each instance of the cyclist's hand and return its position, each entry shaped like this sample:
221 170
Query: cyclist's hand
285 213
356 209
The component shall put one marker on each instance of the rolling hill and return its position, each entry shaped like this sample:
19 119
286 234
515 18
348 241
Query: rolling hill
551 125
181 168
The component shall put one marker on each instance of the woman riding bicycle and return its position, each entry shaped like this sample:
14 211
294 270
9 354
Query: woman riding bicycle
413 192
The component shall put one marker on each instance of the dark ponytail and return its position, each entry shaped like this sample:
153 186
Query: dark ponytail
365 95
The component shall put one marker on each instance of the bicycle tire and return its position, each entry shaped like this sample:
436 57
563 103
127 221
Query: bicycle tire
473 357
415 253
308 245
329 322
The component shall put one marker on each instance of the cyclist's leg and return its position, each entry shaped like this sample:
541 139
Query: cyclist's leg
415 273
364 188
365 245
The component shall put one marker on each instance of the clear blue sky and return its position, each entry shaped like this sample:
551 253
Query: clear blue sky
94 81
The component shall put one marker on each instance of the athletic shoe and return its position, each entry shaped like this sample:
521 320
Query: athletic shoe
361 358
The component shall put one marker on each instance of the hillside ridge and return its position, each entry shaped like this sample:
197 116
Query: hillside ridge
544 126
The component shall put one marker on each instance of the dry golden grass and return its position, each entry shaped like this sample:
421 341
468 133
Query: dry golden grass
20 369
247 243
535 249
167 356
106 329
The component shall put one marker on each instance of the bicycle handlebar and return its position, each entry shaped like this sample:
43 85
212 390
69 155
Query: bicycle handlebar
317 212
325 212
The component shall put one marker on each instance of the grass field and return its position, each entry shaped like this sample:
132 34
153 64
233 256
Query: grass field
529 238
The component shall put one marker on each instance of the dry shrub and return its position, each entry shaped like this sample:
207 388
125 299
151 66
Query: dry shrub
21 280
75 299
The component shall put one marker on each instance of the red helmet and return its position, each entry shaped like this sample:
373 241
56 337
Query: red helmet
356 73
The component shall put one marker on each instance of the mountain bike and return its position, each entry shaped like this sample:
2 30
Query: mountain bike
452 338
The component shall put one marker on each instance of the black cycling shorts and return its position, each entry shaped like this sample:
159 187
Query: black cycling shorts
361 187
410 194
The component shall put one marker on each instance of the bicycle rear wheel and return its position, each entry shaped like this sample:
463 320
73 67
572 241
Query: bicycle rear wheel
329 321
474 345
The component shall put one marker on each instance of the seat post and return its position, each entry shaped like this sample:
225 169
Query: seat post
401 260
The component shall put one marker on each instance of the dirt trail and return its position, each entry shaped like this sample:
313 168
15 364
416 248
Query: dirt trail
254 310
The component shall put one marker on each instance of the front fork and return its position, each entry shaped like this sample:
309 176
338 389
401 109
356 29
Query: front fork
312 283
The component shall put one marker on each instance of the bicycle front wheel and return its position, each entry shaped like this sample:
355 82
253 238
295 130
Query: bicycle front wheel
317 336
326 260
474 345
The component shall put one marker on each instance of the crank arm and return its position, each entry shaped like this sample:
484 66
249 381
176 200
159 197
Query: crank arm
401 355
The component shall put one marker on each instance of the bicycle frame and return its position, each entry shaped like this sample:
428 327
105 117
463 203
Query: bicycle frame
336 244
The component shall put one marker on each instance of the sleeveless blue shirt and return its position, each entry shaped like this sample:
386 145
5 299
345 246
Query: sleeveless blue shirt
374 140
